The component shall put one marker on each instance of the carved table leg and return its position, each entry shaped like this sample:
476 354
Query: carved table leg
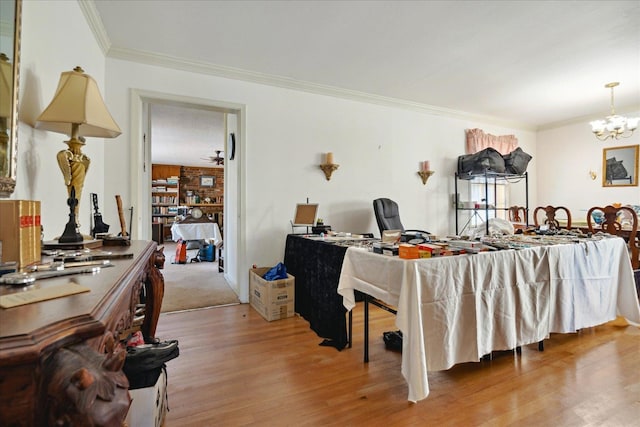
154 289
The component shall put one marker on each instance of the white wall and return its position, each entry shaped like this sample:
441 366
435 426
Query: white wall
567 155
378 149
55 38
285 133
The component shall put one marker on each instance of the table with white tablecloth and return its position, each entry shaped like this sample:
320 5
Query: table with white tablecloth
197 231
456 309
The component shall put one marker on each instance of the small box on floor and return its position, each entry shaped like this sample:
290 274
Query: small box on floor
149 404
146 370
272 299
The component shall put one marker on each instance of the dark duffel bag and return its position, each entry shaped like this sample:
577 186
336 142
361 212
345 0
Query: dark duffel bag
487 160
393 340
516 162
144 363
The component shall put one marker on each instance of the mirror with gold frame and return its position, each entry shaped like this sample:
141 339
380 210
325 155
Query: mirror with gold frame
10 19
620 166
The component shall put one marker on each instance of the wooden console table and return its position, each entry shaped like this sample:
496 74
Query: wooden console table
41 342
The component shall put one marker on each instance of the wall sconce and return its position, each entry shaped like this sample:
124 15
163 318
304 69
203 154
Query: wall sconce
77 110
328 167
425 172
593 175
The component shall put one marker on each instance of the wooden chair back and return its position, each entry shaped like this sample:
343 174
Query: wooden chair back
610 224
550 216
518 214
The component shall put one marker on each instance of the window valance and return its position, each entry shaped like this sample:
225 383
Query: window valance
477 140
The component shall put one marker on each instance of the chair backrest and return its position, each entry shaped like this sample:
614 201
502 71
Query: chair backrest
517 214
550 216
387 215
610 223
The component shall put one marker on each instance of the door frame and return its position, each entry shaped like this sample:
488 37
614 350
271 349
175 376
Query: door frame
141 177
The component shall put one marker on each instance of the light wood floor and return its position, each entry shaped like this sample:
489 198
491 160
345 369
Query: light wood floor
236 369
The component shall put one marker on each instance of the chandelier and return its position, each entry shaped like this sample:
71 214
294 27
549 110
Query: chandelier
614 126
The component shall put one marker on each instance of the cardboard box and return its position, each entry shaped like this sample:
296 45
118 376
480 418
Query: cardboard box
430 250
149 404
407 251
272 299
425 254
20 231
382 248
471 244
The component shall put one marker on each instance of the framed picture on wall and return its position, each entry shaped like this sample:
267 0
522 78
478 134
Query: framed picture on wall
620 166
207 181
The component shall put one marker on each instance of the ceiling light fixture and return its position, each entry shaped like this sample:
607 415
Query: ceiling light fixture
217 159
614 126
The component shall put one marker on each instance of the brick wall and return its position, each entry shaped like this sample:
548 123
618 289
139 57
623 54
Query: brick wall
190 181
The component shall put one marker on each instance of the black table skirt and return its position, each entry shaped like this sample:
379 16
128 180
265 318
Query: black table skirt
316 267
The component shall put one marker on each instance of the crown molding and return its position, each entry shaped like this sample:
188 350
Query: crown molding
288 83
628 110
94 20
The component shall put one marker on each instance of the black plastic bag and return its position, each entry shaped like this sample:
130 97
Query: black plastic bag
516 162
144 363
487 160
393 340
276 273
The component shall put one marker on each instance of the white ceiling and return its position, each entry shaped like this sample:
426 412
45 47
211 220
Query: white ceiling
531 64
185 136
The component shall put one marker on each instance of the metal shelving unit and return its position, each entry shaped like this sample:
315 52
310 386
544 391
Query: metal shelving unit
490 181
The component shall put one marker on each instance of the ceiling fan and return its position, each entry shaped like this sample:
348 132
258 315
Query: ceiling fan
217 159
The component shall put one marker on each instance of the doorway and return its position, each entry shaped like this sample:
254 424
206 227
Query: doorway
187 166
141 161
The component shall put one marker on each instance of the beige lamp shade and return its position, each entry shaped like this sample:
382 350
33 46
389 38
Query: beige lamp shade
6 86
77 101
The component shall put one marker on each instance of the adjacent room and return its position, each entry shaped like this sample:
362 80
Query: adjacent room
187 203
319 213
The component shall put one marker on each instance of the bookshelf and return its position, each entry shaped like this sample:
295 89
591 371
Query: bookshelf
165 197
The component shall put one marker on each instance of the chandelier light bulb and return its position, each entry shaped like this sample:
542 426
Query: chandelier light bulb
614 126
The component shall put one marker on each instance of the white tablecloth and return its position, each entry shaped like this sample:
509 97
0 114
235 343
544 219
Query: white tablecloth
197 231
457 309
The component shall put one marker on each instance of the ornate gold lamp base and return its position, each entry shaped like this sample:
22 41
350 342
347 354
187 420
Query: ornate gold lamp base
328 169
425 176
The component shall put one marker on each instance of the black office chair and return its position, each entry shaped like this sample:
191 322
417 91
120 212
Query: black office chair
388 217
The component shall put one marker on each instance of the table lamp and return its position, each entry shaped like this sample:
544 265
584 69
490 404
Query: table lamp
77 110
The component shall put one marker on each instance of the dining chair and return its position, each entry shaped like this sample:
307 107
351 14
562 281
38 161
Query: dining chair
518 214
620 221
550 216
